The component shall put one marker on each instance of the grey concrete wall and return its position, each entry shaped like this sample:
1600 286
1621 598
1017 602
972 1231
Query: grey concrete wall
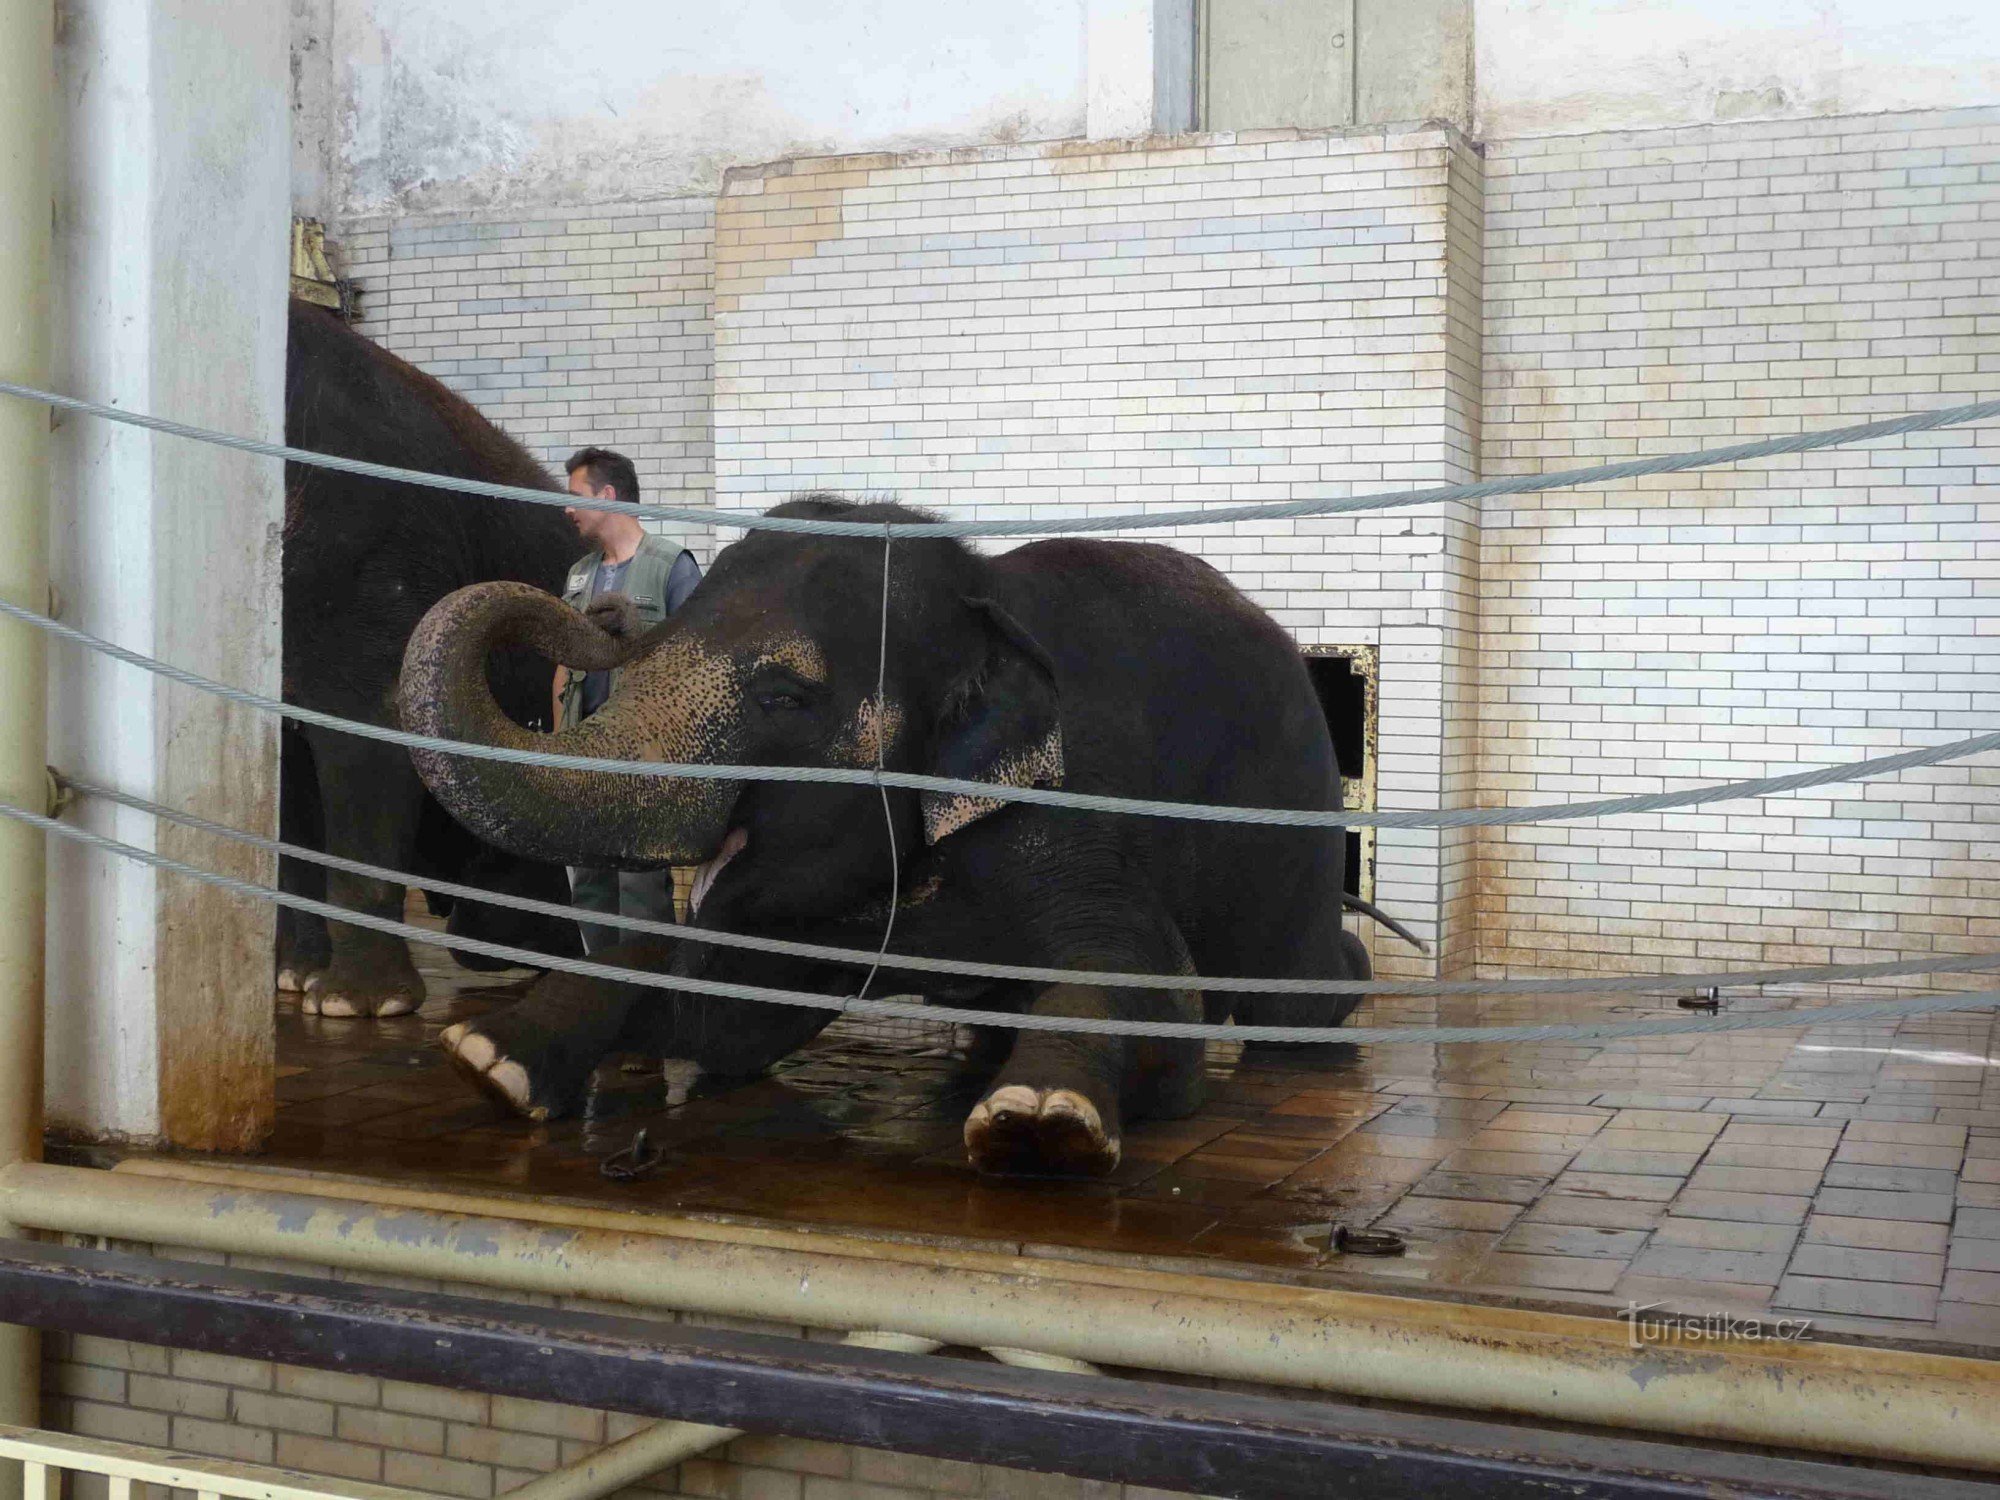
171 281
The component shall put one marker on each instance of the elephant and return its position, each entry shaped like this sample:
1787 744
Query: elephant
1119 668
362 560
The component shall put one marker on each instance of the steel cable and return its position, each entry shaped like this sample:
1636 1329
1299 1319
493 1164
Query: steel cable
1823 1015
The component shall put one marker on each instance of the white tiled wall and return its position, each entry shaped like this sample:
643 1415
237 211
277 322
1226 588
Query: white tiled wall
567 332
1654 292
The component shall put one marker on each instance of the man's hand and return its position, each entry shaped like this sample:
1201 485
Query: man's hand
614 614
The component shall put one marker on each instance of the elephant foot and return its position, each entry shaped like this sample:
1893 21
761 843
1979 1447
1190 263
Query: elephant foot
330 993
1018 1129
496 1075
293 978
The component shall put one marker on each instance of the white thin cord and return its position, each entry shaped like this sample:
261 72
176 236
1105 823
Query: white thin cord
1821 1015
1486 817
1523 484
1596 984
881 750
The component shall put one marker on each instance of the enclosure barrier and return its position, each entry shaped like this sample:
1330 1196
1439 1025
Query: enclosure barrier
1139 1432
1850 1398
860 1005
883 779
47 1456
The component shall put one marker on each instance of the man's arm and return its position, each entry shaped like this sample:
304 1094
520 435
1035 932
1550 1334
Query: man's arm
555 699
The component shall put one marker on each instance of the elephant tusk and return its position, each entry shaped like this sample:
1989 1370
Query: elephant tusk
705 873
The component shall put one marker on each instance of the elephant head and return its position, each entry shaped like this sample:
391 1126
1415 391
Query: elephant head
774 660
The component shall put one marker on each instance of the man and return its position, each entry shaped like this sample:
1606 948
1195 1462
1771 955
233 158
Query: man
629 580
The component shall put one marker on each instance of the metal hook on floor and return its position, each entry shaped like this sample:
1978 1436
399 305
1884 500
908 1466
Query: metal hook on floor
634 1162
1366 1241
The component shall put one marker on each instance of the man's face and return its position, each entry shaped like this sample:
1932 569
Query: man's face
588 523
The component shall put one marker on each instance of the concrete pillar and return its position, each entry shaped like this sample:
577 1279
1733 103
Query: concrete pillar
1139 59
173 203
26 77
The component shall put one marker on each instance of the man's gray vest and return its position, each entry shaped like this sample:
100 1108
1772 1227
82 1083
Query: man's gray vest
645 584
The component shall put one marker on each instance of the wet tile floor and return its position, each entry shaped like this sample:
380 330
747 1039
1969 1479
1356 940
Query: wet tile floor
1849 1174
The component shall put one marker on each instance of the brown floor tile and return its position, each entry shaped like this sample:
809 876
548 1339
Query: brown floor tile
1600 1213
1899 1154
1555 1272
1848 1174
1671 1121
1605 1158
1724 1234
1547 1098
1543 1121
1974 1255
1482 1187
1765 1109
1676 1102
1875 1234
1450 1213
1862 1203
1573 1240
1754 1180
1618 1185
1748 1208
1906 1134
1764 1133
1852 1264
1970 1322
1728 1153
1697 1298
1506 1163
1330 1105
1873 1299
1565 1146
1691 1263
1982 1287
1413 1135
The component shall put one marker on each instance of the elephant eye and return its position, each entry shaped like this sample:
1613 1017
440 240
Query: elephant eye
780 702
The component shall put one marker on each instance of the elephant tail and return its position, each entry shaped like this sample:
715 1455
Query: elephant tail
1370 909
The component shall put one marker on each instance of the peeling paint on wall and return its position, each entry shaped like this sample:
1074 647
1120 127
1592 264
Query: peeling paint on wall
485 104
1557 67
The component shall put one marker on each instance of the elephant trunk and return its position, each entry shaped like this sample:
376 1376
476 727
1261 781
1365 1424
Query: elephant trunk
686 715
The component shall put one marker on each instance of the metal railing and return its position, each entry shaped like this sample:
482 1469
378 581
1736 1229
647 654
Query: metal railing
46 1456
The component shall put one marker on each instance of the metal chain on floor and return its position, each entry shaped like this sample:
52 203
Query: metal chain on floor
1591 1031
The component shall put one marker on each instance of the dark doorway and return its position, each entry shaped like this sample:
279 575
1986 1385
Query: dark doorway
1344 678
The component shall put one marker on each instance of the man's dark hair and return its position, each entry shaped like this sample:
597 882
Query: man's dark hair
603 467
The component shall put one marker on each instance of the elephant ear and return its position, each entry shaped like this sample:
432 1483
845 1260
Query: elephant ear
1000 725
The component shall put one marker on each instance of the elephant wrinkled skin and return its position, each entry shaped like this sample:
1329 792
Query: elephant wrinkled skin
363 560
1111 667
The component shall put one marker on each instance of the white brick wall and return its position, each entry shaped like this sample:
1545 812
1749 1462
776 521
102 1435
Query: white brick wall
589 328
1653 292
